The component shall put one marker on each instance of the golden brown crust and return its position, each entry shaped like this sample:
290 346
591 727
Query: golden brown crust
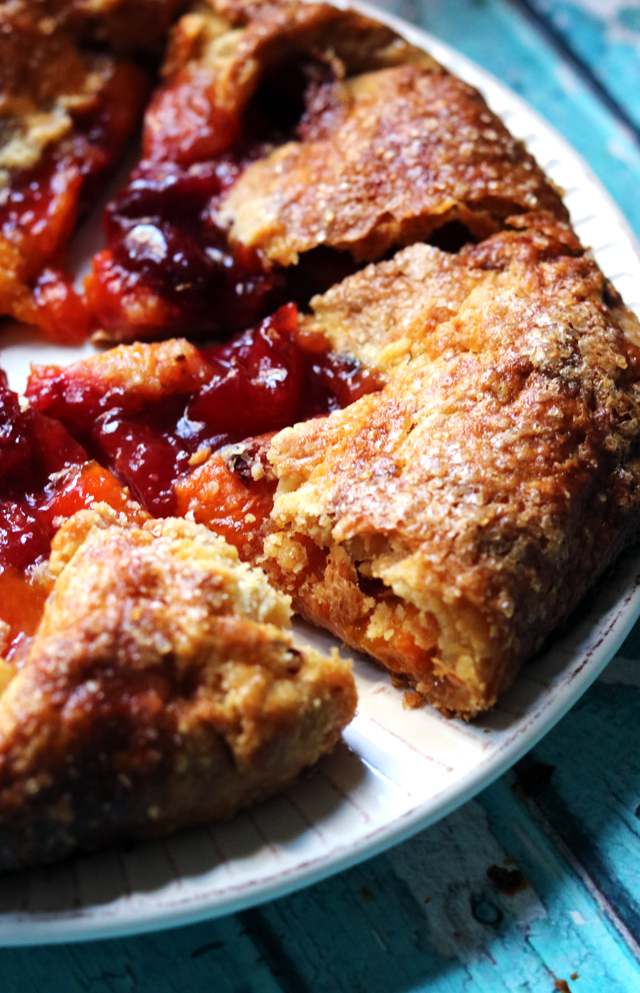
449 522
47 73
219 53
410 150
162 689
385 312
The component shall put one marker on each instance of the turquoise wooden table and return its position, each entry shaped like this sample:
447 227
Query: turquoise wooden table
535 885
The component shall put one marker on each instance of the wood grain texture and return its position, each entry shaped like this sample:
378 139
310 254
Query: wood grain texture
605 36
426 916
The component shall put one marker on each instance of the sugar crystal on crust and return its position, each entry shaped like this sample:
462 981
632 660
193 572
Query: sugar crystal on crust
488 483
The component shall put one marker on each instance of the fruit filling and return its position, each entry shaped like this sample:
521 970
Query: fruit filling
45 477
168 267
155 413
40 205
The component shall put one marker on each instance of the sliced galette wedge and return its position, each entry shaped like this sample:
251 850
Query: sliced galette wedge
483 472
448 522
161 690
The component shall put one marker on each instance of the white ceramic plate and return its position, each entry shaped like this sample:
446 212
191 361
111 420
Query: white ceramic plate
399 770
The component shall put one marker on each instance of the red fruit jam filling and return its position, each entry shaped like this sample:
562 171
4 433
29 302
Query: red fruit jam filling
152 437
41 205
45 477
168 268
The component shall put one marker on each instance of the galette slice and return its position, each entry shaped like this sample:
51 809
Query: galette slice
481 475
161 690
90 596
447 523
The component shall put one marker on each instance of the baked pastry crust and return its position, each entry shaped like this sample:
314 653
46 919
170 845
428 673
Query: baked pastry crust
219 53
408 150
447 523
161 690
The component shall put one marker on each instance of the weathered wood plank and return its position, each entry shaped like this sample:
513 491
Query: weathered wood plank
605 36
592 802
468 932
216 956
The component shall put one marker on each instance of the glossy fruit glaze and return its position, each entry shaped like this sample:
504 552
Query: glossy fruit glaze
260 381
169 268
40 206
45 477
